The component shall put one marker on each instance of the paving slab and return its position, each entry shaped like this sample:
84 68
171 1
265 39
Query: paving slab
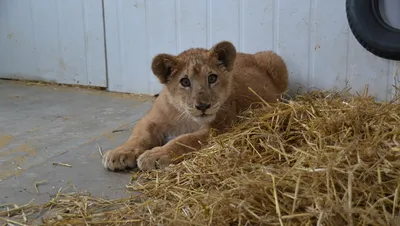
42 125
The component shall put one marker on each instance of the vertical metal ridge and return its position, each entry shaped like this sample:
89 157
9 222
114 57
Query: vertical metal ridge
34 34
177 25
276 26
85 38
312 41
241 25
389 72
6 15
396 79
105 43
208 24
347 80
59 41
148 62
120 27
392 78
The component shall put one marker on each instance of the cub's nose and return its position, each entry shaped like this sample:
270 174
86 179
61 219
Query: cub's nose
202 106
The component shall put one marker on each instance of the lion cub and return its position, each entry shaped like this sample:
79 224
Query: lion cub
202 89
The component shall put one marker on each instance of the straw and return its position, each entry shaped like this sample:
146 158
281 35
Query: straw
323 158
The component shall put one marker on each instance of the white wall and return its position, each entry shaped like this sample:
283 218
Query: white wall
53 40
311 35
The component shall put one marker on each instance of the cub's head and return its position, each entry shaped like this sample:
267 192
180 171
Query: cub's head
198 81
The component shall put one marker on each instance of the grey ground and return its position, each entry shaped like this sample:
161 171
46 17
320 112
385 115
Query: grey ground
43 124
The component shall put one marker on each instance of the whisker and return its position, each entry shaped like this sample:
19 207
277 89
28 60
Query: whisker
179 117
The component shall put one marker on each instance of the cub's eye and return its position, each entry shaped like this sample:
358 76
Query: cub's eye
185 82
212 78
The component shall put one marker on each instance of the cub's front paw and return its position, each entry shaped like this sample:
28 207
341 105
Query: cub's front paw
156 158
119 159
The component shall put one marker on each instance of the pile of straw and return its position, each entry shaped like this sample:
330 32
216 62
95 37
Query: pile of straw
320 159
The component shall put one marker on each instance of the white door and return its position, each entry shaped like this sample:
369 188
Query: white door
53 40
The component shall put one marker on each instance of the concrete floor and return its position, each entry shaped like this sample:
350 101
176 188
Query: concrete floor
45 124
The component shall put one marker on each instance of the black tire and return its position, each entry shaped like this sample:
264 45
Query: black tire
371 31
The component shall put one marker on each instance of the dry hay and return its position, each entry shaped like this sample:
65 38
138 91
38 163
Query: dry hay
321 159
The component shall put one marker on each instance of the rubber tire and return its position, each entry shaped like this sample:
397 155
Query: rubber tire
371 31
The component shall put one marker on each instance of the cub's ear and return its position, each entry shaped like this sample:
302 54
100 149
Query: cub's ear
225 52
163 65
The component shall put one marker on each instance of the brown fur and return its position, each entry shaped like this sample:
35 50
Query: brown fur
174 113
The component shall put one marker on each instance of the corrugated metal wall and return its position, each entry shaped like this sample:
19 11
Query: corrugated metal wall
312 35
63 40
